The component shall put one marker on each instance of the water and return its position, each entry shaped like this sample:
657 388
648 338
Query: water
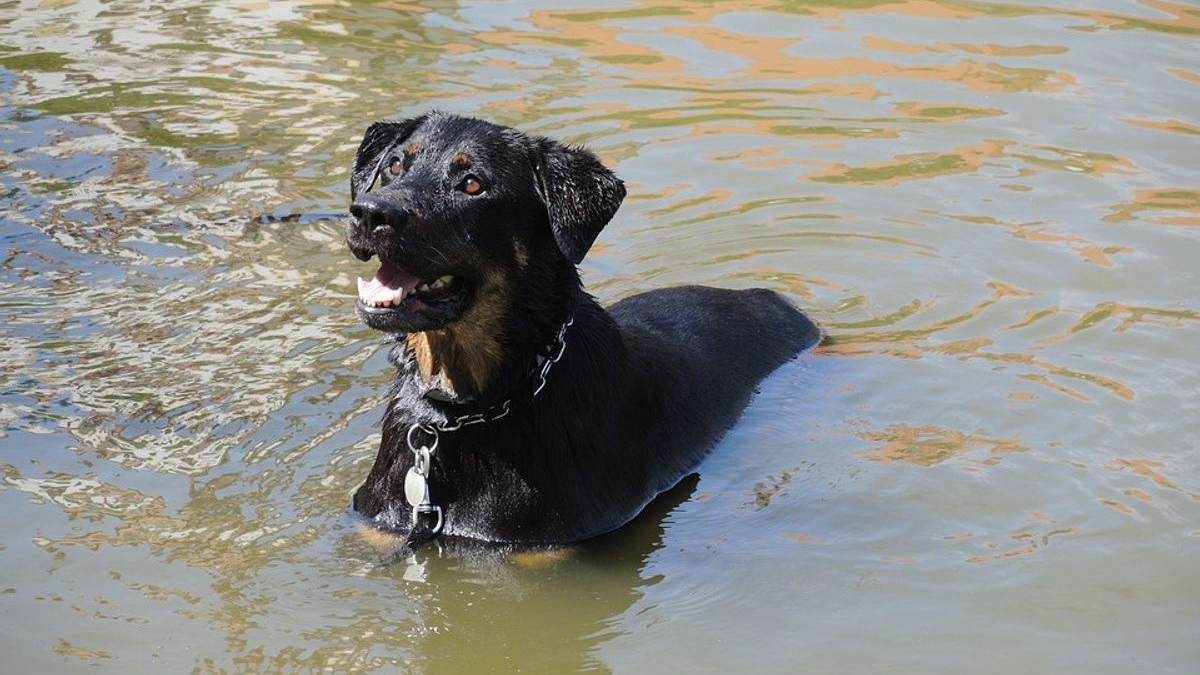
992 467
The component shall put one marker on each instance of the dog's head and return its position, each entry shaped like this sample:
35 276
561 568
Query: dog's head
457 209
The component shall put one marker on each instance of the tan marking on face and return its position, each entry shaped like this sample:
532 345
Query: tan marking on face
477 334
418 345
461 160
463 357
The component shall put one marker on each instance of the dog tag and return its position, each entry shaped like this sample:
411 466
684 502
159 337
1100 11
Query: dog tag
416 488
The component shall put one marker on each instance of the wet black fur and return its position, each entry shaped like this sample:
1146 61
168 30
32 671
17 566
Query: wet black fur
644 388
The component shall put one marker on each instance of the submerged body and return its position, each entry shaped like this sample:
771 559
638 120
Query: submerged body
569 438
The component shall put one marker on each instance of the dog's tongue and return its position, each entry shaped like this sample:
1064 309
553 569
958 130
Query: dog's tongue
389 287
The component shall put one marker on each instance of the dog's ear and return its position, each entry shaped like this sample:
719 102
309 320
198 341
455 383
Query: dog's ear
580 195
379 137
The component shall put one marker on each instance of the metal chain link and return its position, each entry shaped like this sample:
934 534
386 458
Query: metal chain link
561 343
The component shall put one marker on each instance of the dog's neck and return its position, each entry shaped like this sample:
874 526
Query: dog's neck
451 371
448 369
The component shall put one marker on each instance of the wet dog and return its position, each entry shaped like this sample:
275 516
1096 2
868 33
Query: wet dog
523 412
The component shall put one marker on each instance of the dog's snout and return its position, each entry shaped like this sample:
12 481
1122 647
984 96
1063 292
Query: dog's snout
374 213
372 224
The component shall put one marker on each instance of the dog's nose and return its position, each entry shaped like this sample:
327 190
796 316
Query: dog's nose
373 213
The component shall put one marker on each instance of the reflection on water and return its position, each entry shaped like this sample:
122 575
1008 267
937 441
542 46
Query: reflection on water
931 445
992 206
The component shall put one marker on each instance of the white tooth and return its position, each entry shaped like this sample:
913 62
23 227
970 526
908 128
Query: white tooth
422 287
361 283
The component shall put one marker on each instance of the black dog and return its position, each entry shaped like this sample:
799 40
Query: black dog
523 412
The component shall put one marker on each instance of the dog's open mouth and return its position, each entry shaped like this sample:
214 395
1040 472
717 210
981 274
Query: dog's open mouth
394 291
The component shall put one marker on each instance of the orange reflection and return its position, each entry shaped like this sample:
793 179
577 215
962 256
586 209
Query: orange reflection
1037 232
1075 161
603 35
929 445
1114 504
1028 539
1114 387
945 113
1153 205
1143 467
1033 316
914 166
1184 21
1138 494
68 650
1129 316
1185 75
1056 386
983 49
1172 126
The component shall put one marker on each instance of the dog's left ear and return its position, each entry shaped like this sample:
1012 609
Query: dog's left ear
580 195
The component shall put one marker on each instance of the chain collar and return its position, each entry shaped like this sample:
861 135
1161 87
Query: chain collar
427 517
545 363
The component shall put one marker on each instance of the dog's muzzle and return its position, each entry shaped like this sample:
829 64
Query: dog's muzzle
374 210
373 220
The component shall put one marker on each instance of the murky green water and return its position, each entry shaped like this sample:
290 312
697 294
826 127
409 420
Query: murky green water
994 466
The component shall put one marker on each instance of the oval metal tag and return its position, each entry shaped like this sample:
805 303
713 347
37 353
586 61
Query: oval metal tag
416 488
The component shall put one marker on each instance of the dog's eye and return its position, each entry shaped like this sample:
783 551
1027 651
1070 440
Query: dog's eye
396 167
471 185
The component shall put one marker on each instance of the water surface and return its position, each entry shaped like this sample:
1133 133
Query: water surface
993 466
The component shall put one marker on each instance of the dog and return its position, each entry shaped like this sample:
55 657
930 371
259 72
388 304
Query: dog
523 413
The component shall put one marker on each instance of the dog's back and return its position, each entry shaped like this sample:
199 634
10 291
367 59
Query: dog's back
705 350
737 335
